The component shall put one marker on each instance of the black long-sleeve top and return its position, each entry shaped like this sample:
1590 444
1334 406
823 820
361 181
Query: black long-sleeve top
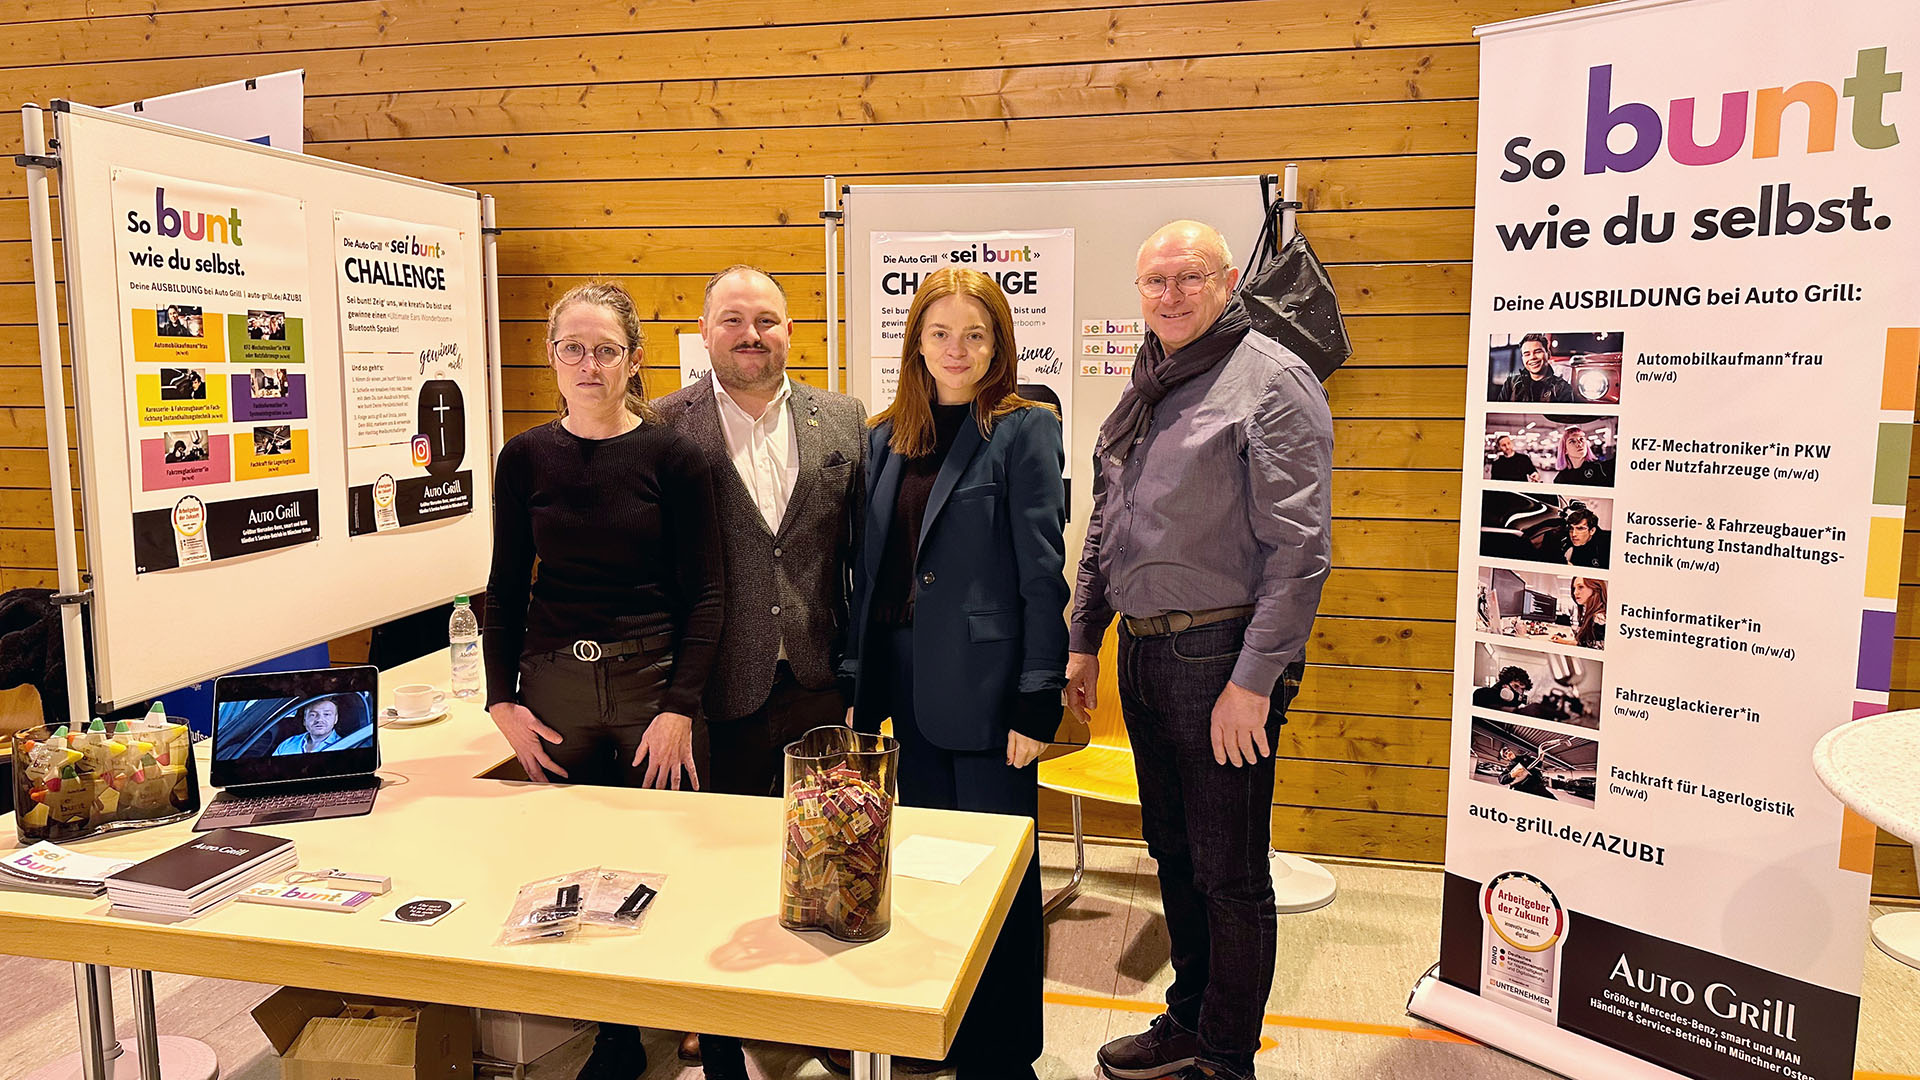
628 547
893 582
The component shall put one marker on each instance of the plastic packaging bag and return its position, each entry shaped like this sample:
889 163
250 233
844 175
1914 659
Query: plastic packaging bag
620 899
548 909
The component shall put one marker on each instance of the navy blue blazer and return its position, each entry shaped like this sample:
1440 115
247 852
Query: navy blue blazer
989 617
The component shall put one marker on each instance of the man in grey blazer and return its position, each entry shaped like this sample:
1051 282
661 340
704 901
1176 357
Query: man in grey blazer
789 469
789 476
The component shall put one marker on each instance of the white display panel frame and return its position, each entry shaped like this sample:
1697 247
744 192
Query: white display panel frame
154 632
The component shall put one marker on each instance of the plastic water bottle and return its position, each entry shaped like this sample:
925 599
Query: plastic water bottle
463 647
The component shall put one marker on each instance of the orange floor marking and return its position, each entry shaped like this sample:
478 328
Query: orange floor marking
1391 1031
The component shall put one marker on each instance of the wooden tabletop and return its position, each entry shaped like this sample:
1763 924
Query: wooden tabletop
711 956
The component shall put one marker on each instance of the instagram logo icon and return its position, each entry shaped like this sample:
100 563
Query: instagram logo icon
422 451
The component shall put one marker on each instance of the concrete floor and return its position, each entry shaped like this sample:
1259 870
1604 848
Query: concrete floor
1336 1012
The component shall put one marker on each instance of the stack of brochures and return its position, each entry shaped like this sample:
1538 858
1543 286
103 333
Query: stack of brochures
56 871
199 875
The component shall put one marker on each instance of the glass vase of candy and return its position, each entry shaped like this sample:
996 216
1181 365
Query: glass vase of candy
836 873
75 782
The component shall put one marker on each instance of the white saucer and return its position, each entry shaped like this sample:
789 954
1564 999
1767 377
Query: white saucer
390 718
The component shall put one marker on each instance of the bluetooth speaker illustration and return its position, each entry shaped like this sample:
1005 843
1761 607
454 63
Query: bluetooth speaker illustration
441 416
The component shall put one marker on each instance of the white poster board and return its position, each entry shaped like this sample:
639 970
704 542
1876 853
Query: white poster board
266 109
281 569
1695 302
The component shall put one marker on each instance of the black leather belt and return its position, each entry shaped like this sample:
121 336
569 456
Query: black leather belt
1175 621
590 651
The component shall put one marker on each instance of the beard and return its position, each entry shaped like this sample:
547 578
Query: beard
753 372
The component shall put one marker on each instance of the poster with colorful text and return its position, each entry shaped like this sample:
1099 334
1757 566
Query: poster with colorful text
413 374
213 309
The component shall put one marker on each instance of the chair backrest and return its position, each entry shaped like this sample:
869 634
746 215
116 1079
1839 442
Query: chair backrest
1107 729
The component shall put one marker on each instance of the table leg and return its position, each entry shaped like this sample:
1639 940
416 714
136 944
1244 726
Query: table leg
99 1057
93 1000
146 1029
868 1066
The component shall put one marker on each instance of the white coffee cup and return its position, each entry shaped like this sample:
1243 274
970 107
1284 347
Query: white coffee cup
417 699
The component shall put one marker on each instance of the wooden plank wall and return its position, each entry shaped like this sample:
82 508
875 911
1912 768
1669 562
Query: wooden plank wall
659 141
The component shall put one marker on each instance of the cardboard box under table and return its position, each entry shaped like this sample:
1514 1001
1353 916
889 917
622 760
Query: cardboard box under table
326 1036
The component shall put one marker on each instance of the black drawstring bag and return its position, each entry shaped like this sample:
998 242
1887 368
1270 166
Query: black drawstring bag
1292 301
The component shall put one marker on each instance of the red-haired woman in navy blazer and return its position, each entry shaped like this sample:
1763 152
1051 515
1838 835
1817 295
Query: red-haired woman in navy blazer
959 603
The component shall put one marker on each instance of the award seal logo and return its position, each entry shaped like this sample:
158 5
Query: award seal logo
1525 924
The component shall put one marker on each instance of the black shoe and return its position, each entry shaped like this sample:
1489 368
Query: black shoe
618 1054
722 1059
1163 1049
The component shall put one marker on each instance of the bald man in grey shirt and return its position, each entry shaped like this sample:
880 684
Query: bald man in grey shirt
1209 537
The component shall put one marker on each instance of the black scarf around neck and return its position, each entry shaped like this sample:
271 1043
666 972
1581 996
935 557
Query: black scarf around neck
1157 374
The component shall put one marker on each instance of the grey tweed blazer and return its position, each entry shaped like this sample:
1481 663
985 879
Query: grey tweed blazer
793 584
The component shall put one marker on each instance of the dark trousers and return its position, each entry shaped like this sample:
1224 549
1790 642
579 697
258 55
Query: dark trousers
746 750
601 710
748 760
1208 826
1004 1021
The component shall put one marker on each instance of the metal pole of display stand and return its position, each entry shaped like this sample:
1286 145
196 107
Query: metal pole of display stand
1298 884
100 1056
490 264
1289 195
830 217
872 1066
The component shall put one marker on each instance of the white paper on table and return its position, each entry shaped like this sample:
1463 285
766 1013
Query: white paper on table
935 858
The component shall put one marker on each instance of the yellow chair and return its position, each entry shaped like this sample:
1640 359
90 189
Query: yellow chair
1101 769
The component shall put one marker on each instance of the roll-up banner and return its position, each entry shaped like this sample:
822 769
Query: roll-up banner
1694 333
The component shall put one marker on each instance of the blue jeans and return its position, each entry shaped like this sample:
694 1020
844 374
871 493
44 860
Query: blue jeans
1208 826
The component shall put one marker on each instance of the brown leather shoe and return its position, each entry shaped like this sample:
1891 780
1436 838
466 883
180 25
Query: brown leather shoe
690 1047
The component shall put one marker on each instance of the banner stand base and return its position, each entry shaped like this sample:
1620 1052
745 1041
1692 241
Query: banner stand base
1898 935
1299 885
1529 1040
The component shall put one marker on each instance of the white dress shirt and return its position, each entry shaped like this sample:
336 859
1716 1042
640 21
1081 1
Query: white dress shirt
766 452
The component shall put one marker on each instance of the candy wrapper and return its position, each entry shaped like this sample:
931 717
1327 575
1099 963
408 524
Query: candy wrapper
835 872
